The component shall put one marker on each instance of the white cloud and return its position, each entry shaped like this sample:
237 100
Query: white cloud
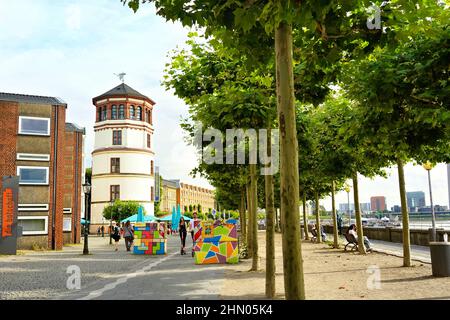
73 17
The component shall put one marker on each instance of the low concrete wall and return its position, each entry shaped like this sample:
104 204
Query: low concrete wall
27 242
417 237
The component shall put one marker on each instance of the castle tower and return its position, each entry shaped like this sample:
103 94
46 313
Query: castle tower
123 157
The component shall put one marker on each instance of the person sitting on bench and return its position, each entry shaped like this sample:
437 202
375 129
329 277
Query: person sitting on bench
322 233
352 231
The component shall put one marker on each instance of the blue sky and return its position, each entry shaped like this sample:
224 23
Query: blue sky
71 49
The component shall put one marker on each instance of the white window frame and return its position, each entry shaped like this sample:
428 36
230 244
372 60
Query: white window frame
33 183
33 157
27 233
67 210
67 218
33 207
34 134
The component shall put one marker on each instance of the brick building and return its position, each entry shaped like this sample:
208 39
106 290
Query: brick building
33 132
73 180
378 203
169 195
195 195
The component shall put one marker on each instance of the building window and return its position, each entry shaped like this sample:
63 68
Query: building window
152 195
139 113
151 167
104 113
114 112
115 192
146 116
121 112
117 137
150 117
132 115
115 165
33 157
34 126
67 224
33 175
99 112
33 225
149 141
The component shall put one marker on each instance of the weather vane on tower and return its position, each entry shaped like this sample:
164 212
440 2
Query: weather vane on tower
121 76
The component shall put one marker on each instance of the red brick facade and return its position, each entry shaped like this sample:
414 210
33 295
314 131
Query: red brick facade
8 144
73 187
56 159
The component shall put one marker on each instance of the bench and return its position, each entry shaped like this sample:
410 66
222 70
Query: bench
351 242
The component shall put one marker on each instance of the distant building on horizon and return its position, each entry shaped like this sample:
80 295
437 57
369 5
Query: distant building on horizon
343 207
396 208
378 203
415 200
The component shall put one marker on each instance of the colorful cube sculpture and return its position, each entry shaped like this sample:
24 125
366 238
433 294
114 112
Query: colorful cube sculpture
150 238
216 242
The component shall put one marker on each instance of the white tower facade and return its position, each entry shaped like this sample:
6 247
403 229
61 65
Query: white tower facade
123 157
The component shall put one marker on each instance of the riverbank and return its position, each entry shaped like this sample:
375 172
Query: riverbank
332 274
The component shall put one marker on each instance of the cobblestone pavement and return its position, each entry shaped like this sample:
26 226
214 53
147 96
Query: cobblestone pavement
106 274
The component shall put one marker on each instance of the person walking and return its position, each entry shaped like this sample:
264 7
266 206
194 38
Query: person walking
128 234
192 224
339 223
183 232
116 235
98 232
103 231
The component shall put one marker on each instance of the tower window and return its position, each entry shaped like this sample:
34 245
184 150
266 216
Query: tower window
117 137
114 192
150 117
139 113
104 113
99 116
152 195
149 141
121 112
115 165
114 112
151 167
132 115
146 116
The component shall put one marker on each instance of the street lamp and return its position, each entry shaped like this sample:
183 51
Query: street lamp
87 215
428 166
347 189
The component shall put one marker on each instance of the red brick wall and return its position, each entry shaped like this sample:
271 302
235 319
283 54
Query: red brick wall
8 142
59 183
75 160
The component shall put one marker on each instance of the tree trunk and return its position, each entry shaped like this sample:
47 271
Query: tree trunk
317 211
243 217
359 228
270 231
253 214
305 219
333 211
250 225
405 216
289 183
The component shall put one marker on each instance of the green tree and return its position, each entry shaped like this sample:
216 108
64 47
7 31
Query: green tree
405 89
120 210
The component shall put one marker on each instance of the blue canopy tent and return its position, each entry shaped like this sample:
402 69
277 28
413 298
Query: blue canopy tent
169 218
135 218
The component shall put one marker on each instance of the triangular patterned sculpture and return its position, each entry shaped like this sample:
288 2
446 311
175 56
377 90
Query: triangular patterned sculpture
216 242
